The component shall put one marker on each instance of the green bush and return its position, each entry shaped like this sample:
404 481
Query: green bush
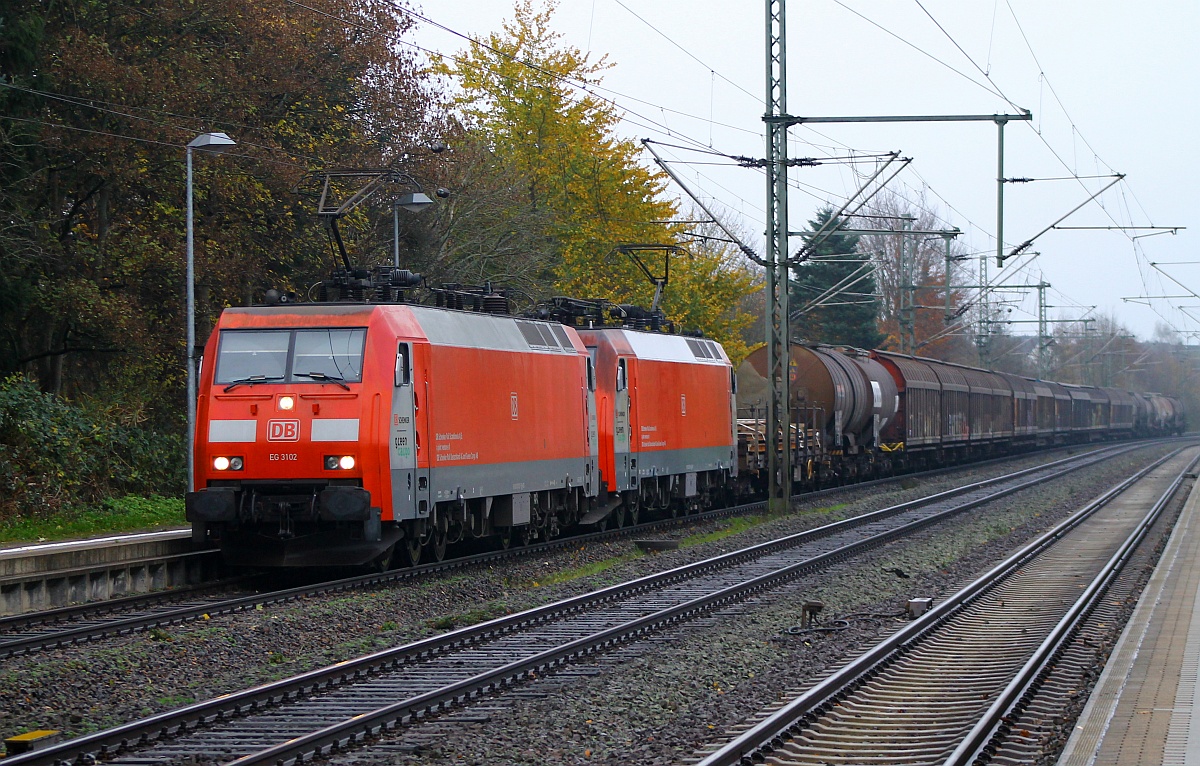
118 514
59 456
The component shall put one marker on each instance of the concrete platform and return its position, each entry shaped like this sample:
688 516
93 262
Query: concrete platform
49 575
1143 710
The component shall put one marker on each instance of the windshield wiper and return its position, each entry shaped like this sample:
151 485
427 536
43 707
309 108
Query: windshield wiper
250 381
322 376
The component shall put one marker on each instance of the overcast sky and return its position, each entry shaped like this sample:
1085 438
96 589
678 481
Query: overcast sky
1113 88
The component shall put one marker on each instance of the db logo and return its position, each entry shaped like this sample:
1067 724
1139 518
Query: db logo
283 430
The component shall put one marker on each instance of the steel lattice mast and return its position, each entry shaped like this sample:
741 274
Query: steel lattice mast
778 444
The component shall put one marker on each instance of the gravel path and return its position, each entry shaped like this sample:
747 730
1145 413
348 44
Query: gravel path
650 703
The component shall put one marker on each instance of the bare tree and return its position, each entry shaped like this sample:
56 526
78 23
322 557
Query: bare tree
910 274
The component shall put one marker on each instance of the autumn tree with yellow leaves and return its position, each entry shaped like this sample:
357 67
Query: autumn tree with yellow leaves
529 99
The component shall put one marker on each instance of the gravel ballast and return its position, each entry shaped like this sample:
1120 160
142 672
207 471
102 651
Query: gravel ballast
654 702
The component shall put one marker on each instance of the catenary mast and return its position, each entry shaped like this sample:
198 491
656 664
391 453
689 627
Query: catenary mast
778 443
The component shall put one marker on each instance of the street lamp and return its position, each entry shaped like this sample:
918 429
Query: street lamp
213 143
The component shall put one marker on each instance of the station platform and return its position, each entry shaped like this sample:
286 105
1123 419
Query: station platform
40 576
1144 709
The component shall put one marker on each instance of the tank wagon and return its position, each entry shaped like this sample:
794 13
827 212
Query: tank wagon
840 400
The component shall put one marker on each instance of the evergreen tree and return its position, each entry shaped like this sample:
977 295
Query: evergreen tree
841 282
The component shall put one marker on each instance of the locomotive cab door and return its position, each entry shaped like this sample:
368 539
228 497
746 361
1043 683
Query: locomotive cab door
410 485
591 470
624 465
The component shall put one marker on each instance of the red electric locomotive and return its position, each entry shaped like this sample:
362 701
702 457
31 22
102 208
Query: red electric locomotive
336 434
667 421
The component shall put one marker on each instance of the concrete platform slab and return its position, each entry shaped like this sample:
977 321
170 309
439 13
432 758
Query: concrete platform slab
1143 709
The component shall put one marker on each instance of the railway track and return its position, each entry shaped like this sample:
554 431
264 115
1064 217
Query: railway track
947 688
332 708
34 631
37 631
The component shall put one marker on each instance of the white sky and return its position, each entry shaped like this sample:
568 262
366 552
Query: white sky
1115 88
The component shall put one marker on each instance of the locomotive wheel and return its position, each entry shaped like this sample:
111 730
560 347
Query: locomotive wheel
506 537
384 561
666 499
438 543
618 516
528 534
635 512
412 547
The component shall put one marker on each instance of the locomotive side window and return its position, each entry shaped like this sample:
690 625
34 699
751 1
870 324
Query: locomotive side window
591 376
620 374
247 353
329 353
403 370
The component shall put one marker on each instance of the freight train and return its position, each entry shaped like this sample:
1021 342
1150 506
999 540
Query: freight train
369 430
862 414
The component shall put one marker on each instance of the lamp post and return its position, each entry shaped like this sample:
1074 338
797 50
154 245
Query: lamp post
213 143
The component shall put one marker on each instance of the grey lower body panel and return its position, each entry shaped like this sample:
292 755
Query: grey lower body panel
668 462
450 482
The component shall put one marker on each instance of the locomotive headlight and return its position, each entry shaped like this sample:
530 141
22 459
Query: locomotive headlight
228 463
287 403
235 464
221 463
339 462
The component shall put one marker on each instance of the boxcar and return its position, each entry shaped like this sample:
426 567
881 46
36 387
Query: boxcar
1122 409
1025 395
991 399
917 425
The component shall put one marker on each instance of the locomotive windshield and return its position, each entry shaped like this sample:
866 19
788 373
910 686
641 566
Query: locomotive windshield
295 356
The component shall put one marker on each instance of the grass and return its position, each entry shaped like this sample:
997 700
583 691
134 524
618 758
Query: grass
124 514
587 570
739 524
473 617
734 526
